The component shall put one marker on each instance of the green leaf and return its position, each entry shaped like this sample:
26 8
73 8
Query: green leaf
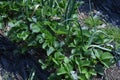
56 44
66 60
82 77
85 63
43 65
1 25
106 55
23 35
106 62
62 43
44 45
93 55
93 72
40 38
55 61
32 43
59 55
73 51
60 31
61 70
11 24
50 50
84 70
68 67
96 53
47 23
34 19
87 75
34 28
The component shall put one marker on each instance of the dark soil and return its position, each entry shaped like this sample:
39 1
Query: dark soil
110 9
112 73
17 66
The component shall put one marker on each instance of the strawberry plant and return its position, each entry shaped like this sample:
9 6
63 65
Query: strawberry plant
72 52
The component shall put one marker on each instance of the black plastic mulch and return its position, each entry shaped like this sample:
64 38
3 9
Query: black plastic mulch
17 66
109 8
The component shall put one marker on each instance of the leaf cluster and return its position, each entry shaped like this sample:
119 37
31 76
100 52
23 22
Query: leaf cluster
72 52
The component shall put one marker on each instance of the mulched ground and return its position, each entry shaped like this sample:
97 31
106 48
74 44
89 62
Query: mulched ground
112 73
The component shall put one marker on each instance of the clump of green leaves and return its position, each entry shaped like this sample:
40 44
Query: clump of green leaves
93 22
113 33
72 53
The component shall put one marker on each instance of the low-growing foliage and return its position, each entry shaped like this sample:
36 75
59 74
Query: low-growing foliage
113 33
72 52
